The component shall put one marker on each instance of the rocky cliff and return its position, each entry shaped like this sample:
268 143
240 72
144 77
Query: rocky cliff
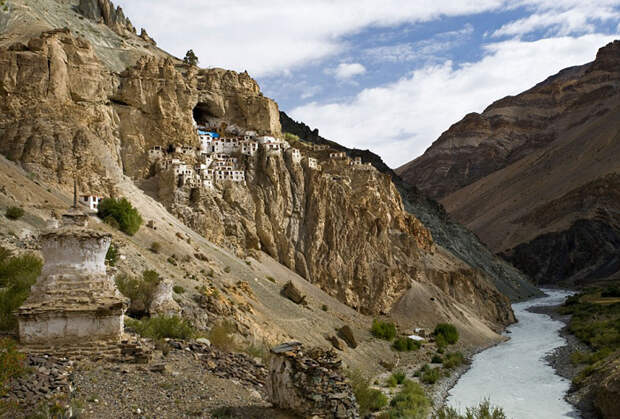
447 233
533 170
70 108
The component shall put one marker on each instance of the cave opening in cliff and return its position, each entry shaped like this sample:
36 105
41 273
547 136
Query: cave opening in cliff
202 114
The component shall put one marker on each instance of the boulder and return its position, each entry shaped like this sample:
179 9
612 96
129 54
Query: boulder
336 342
291 292
346 333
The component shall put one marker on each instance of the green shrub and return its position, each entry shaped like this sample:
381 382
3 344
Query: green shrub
446 333
126 216
410 402
405 344
453 360
399 376
111 257
139 290
611 292
178 289
383 330
155 247
290 137
271 278
11 364
436 359
14 213
369 400
391 381
160 327
17 275
429 375
483 411
324 307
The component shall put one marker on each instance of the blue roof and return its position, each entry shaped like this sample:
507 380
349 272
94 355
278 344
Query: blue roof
212 134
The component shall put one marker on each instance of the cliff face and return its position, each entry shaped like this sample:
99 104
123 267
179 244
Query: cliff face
66 110
451 235
537 165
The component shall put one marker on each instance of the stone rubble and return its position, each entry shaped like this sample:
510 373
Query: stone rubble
310 383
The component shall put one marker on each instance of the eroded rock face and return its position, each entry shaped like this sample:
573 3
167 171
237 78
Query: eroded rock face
104 11
62 110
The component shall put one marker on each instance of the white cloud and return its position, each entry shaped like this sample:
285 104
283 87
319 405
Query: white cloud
401 119
562 17
345 71
427 49
269 36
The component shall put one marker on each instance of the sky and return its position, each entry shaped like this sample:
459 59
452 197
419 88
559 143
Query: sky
384 75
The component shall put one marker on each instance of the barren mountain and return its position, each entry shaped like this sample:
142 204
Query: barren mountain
535 176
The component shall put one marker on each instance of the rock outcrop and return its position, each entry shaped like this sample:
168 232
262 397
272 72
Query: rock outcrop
103 11
534 164
310 384
445 232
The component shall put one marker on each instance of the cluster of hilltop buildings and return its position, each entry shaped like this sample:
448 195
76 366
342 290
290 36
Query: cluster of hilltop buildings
218 158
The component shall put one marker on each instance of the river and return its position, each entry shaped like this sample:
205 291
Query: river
514 374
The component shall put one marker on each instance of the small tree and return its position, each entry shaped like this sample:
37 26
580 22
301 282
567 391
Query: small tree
190 58
14 213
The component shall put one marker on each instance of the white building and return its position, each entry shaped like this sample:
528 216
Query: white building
319 147
338 155
91 201
156 153
207 183
357 161
312 163
295 155
249 148
266 139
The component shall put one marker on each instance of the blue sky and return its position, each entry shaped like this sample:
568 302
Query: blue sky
386 75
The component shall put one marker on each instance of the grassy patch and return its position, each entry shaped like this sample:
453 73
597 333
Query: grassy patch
17 275
453 360
446 333
178 289
220 336
369 400
409 402
160 327
155 247
405 344
383 330
429 375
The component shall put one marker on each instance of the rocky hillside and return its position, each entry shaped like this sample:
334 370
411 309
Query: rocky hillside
95 101
449 234
535 176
